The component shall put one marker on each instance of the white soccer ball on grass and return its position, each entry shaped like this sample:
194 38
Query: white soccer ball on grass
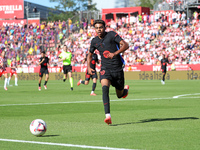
38 127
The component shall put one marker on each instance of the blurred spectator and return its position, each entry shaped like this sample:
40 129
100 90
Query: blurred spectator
149 36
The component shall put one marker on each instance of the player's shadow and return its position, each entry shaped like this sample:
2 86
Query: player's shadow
49 135
156 119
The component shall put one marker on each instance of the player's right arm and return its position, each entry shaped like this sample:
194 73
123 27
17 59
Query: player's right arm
60 58
41 61
89 59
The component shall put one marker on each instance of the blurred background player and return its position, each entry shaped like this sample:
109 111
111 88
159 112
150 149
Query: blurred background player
164 62
66 58
3 65
44 61
107 43
88 76
13 71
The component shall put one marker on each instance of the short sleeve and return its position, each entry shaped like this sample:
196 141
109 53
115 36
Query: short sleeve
116 37
92 47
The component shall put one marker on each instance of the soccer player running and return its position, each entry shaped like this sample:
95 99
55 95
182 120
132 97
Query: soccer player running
13 71
3 65
88 76
44 61
164 62
111 73
66 58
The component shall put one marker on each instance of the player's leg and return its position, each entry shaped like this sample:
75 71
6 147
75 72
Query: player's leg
65 73
71 81
118 83
6 80
163 78
46 80
94 86
105 83
64 77
86 81
40 79
122 93
16 79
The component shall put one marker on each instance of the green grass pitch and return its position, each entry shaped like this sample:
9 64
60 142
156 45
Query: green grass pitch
149 118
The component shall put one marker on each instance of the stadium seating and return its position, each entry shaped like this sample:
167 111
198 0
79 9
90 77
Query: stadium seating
148 40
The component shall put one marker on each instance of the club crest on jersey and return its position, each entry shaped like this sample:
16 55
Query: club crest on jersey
102 72
105 54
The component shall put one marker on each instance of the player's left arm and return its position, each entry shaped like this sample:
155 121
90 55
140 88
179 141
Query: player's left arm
123 45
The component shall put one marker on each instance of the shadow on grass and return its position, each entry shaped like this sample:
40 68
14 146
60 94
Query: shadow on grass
156 119
49 135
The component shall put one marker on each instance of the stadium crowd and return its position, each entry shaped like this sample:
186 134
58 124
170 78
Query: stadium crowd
149 36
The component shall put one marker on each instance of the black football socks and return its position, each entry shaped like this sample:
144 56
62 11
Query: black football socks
45 82
106 100
94 86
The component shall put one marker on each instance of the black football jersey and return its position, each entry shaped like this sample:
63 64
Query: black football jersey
108 44
164 63
44 63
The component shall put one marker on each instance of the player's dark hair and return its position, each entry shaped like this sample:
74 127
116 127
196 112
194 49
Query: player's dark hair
99 22
43 52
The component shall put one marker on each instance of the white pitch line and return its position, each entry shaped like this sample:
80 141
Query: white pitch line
190 97
177 96
96 101
66 145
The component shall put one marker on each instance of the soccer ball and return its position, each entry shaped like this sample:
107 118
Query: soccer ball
38 127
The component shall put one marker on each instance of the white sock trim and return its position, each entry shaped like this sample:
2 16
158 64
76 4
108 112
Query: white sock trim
108 115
